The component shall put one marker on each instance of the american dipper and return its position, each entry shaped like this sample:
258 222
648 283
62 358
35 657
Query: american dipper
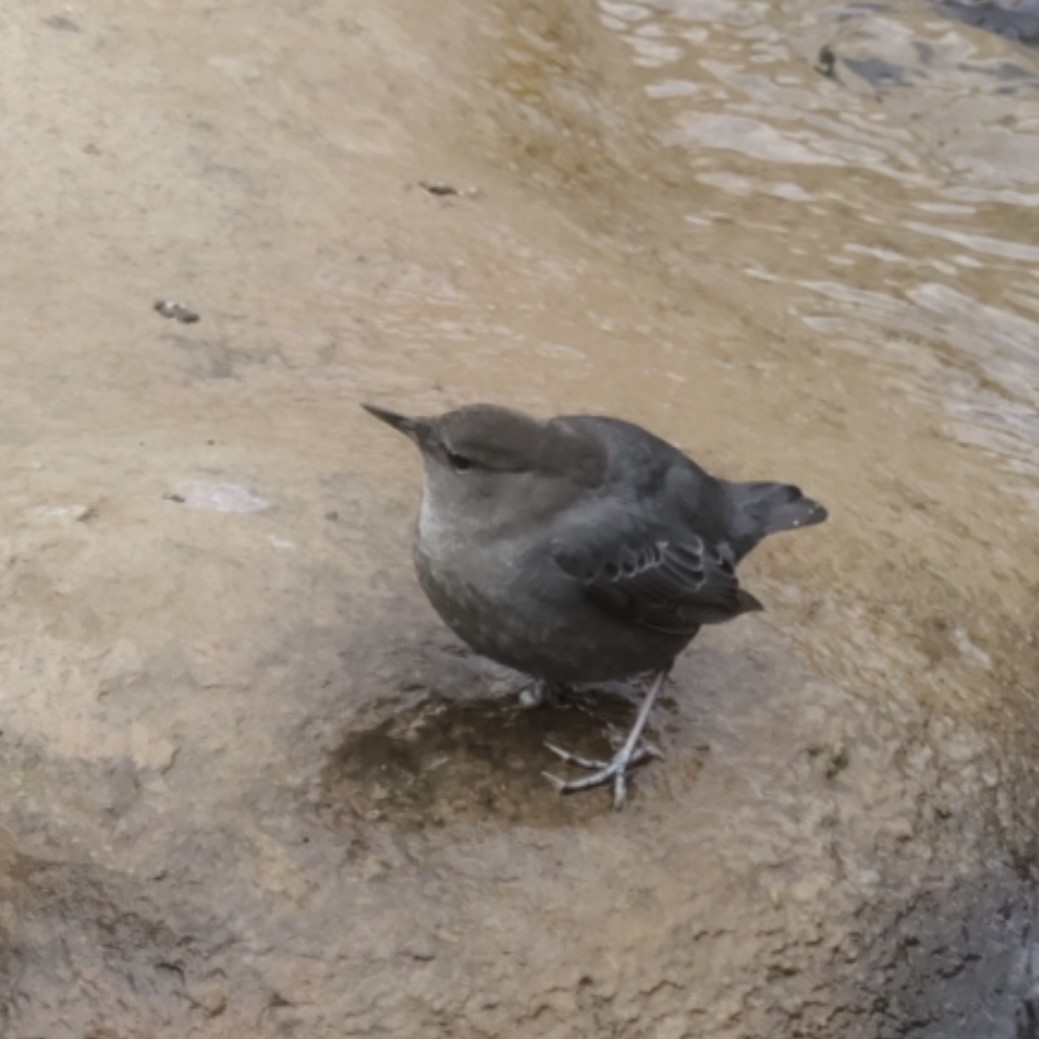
582 549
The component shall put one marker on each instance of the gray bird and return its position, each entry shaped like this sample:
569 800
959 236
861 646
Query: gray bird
582 549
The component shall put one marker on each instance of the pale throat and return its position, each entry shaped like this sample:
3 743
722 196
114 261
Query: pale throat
445 529
437 531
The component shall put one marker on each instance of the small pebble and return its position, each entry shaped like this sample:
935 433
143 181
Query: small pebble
173 308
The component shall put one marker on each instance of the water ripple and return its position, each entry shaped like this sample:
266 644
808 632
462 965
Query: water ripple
908 167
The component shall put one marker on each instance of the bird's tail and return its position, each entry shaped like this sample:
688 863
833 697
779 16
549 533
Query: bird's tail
763 508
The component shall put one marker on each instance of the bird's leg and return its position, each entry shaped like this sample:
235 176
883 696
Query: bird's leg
615 770
540 694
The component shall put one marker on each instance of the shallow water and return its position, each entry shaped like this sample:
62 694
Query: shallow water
251 784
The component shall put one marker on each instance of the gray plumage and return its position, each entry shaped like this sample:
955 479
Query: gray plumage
582 548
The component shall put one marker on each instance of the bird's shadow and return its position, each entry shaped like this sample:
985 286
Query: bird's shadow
441 761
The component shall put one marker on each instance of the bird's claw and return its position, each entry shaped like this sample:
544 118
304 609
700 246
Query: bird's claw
645 752
541 694
614 771
592 764
531 697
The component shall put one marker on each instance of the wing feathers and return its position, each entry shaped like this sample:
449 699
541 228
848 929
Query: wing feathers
666 584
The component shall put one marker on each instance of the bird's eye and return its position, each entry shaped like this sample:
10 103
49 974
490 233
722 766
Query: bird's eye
459 463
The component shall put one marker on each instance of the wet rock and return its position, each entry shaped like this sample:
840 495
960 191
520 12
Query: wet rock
250 785
441 761
1019 22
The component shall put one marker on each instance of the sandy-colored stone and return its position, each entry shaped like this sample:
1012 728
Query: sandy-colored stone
251 787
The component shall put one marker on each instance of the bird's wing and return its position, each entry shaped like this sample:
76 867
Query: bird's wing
652 578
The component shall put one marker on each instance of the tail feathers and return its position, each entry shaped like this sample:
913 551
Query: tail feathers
763 508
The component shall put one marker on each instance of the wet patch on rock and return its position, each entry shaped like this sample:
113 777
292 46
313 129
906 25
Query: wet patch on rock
444 761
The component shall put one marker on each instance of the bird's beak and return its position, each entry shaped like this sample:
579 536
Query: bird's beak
413 428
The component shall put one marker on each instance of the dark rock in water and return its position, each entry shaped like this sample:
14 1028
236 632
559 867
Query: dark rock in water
1016 23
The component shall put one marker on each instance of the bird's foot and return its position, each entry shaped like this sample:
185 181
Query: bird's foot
541 694
615 771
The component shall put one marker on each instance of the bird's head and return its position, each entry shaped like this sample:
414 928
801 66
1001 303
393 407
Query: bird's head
486 465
